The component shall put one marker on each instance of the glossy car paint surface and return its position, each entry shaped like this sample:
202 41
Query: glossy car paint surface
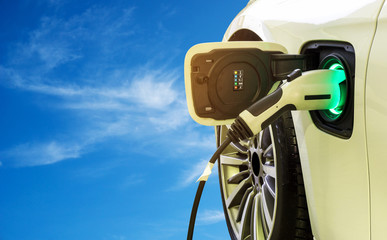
336 171
376 119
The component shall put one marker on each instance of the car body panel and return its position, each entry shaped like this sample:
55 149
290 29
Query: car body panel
335 170
376 119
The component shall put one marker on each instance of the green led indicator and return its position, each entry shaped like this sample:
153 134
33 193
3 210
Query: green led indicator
335 113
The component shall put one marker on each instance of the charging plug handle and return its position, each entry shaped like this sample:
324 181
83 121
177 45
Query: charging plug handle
312 90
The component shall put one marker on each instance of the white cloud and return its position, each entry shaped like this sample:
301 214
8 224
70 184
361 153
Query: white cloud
117 237
210 217
130 181
111 111
41 153
59 41
174 117
195 139
50 44
103 105
107 127
109 98
154 91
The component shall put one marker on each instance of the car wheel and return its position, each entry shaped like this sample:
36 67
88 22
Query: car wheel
261 185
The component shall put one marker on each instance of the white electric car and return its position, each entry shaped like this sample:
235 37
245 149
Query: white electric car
314 174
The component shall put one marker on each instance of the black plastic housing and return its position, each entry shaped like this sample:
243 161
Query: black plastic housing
227 81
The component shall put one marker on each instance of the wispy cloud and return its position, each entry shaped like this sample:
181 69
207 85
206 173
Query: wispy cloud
117 237
80 65
199 140
109 111
154 94
210 217
33 154
62 40
131 180
176 116
153 90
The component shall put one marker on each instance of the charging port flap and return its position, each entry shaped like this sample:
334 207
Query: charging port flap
224 78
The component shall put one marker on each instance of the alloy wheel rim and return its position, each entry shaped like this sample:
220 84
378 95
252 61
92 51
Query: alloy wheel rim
249 185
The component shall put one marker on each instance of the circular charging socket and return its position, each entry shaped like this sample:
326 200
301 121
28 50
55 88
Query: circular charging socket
335 62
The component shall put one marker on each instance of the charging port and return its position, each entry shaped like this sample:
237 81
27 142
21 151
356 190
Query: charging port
338 56
333 63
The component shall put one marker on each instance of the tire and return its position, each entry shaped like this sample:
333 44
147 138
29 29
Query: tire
262 187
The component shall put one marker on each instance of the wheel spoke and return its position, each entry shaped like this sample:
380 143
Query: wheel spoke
246 217
256 219
236 195
259 139
269 170
243 203
267 206
233 159
265 139
237 178
262 215
270 185
268 153
239 147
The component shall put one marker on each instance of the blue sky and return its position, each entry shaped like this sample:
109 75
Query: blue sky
96 141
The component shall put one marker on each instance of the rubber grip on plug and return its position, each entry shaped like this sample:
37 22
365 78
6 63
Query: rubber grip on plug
265 103
239 130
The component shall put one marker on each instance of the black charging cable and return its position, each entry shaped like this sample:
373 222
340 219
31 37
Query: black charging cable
199 191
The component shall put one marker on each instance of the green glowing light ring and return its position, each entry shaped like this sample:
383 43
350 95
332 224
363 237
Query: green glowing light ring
335 113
